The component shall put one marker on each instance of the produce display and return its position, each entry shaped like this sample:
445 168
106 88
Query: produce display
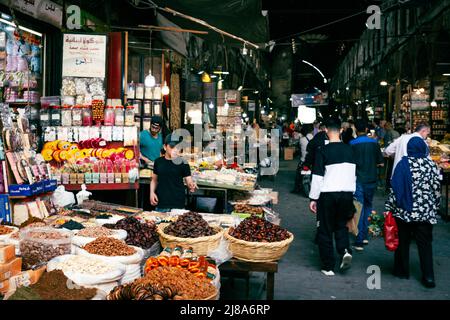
72 225
142 235
32 220
95 232
190 225
81 264
255 229
40 245
5 230
175 283
105 246
53 286
244 208
226 177
182 258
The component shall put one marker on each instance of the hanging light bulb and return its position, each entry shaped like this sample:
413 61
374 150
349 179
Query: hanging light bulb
244 50
211 105
150 81
165 89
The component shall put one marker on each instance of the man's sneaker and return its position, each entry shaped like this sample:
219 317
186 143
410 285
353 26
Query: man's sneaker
365 242
328 273
346 260
358 247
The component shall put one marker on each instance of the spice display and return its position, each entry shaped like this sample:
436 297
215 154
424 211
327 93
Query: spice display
244 208
25 293
81 264
5 230
105 246
129 116
119 116
30 221
255 229
72 225
54 286
77 113
40 245
68 87
95 232
190 225
66 116
55 114
142 235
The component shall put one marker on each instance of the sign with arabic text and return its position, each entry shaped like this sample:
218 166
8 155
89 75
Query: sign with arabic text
44 10
84 56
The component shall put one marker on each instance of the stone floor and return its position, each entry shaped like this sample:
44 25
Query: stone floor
299 276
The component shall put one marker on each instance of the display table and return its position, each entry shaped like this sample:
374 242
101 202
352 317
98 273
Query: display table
235 265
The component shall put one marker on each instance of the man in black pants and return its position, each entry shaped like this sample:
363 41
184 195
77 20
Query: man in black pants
332 188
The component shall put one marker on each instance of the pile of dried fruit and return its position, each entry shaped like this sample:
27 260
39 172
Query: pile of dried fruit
245 208
190 225
105 246
255 229
5 230
141 235
94 232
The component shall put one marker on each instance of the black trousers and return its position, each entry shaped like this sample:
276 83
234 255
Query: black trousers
334 209
423 233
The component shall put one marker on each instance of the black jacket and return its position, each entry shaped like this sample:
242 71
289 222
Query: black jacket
313 146
367 155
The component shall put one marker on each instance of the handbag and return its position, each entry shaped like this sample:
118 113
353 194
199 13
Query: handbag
390 232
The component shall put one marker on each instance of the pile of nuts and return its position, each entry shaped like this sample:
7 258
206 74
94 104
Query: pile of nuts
41 245
245 208
142 235
81 264
171 283
98 110
105 246
94 232
255 229
5 230
190 225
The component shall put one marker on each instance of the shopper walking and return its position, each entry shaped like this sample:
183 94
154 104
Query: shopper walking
398 148
167 190
319 140
368 158
390 134
306 135
332 188
414 202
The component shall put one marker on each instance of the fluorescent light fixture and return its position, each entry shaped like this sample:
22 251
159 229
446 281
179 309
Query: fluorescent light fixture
7 17
240 88
213 76
201 72
383 83
221 72
21 28
317 69
256 92
446 74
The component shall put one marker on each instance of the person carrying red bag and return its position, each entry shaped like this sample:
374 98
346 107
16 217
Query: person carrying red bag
414 202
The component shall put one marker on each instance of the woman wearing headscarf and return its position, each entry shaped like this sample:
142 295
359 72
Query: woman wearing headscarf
414 202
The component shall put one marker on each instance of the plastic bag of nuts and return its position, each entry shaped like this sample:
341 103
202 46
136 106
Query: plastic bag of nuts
40 245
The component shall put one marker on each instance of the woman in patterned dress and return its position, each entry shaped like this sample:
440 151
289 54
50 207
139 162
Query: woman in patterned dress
414 201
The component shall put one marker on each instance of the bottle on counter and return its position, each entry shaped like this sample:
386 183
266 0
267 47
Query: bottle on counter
129 116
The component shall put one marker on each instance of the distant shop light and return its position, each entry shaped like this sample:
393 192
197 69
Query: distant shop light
383 83
240 88
21 28
446 74
211 105
201 72
165 89
6 16
434 104
347 88
213 76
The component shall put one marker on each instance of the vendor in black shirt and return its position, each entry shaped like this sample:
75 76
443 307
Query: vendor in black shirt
167 190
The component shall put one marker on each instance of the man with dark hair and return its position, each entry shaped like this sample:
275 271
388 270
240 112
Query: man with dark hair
151 141
399 148
319 140
368 157
332 188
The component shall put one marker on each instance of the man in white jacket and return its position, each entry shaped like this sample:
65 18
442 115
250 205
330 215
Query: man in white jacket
398 148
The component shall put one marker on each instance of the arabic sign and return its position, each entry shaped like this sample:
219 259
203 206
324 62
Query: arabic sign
310 99
84 55
44 10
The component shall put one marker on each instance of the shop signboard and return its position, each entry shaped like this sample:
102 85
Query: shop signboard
316 98
84 55
439 93
44 10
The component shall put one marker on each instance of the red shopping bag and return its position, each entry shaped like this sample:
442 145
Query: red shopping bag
390 232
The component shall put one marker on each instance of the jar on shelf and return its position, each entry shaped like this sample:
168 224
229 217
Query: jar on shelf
149 93
119 116
109 116
157 93
77 114
137 105
147 107
44 116
66 116
131 93
129 116
87 117
139 91
55 119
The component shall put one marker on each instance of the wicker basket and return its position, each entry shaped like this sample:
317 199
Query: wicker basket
200 245
215 296
258 251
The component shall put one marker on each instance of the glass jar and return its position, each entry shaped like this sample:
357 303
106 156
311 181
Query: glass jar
157 93
147 107
87 117
129 116
66 116
131 94
55 119
44 117
149 93
139 91
109 116
119 116
137 105
77 113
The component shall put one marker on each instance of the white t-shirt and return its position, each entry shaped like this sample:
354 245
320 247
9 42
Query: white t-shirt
399 148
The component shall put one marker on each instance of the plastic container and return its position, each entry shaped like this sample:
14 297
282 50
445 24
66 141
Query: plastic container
129 116
40 245
55 119
44 116
86 118
109 116
66 116
119 116
77 115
